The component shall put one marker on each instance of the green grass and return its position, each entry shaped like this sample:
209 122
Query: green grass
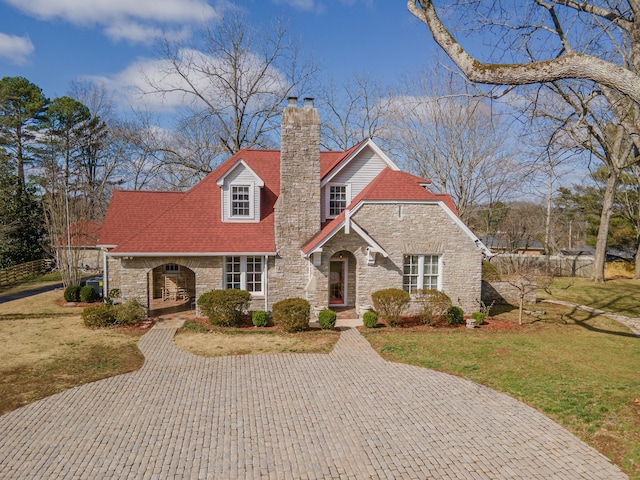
619 296
579 369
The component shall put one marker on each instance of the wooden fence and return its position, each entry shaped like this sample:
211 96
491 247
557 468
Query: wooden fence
18 273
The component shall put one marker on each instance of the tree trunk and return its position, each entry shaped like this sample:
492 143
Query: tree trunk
603 231
522 294
637 274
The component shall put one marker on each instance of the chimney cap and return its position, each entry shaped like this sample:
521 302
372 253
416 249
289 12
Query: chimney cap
308 102
292 101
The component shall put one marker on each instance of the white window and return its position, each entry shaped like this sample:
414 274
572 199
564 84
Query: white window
240 201
244 273
421 272
338 198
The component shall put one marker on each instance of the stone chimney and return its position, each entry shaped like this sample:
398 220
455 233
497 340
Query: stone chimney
297 210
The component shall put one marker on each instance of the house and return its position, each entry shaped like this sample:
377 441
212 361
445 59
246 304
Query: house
503 244
79 242
331 227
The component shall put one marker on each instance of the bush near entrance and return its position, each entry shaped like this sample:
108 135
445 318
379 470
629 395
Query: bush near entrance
292 314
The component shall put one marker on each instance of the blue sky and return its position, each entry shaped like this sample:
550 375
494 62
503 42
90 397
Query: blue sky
52 42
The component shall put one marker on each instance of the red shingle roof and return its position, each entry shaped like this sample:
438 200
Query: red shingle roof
190 222
391 185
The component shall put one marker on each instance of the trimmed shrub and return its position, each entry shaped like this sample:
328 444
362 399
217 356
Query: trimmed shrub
260 318
455 315
327 319
370 319
128 313
478 318
98 316
434 305
292 314
389 303
72 293
224 307
88 294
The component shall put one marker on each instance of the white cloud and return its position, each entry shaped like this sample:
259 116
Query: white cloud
133 85
15 49
139 33
308 5
131 20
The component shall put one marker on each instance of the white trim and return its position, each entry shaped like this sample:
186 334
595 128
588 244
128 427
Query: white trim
243 273
367 143
375 247
327 198
251 217
190 254
442 205
240 161
420 274
345 281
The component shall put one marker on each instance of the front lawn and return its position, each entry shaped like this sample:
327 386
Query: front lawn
198 339
45 349
618 296
579 369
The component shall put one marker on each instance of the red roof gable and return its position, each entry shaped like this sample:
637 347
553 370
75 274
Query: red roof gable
140 222
391 185
193 223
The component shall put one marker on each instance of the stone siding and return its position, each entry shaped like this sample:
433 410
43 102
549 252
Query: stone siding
297 210
420 229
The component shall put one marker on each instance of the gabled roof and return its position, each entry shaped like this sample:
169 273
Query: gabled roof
191 222
130 209
351 154
239 162
390 185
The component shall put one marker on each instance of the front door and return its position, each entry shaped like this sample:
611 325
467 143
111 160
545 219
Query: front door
337 282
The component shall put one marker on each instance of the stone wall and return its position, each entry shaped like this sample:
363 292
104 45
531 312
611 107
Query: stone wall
406 229
504 293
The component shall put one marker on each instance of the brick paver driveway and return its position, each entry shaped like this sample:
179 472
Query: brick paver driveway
349 414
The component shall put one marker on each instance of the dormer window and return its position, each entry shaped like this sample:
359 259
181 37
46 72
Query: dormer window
240 201
241 189
337 200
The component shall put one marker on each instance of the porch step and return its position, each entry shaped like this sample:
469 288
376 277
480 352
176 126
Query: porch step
345 313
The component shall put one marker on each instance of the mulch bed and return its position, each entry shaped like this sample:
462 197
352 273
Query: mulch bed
490 324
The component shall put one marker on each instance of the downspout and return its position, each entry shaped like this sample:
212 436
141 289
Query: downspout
266 283
105 274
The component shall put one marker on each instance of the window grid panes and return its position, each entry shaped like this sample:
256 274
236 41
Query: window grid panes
410 278
420 272
337 199
254 274
240 203
244 273
233 273
430 277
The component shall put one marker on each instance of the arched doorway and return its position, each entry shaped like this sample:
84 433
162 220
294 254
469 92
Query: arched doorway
172 288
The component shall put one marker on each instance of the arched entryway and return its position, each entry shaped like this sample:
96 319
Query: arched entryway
172 288
342 279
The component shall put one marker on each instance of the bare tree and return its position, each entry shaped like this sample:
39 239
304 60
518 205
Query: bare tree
564 40
454 139
353 112
547 29
232 84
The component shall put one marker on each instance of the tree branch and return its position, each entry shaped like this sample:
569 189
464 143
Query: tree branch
568 66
